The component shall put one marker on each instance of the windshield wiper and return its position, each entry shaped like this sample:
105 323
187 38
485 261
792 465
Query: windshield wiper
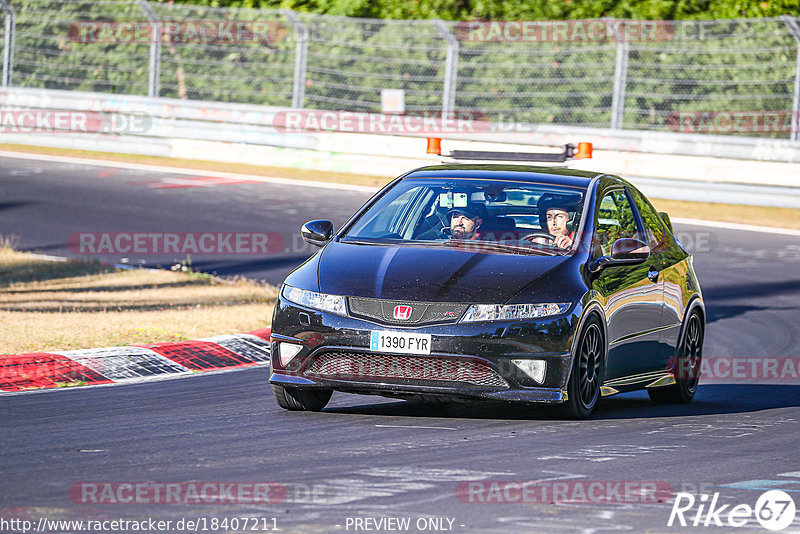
382 241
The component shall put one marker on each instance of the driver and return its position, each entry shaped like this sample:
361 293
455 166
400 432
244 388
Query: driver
555 217
557 220
465 222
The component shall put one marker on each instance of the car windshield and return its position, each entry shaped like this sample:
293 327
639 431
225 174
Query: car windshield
492 215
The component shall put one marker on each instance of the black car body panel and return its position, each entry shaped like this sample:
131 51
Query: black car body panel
446 275
642 308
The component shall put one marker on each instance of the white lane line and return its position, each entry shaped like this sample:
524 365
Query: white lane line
414 426
737 226
430 475
192 172
46 257
762 485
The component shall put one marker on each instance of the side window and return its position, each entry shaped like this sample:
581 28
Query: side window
653 225
615 220
389 220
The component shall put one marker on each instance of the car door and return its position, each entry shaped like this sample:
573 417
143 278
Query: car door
632 294
673 267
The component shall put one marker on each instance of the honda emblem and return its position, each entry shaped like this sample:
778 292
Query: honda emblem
402 313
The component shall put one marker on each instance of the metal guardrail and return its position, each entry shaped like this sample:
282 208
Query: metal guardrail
745 66
717 169
247 123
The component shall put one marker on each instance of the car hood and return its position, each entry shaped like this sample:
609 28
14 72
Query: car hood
421 273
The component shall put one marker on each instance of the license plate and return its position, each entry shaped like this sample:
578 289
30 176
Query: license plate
400 342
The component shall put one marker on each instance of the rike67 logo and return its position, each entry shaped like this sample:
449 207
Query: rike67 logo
774 510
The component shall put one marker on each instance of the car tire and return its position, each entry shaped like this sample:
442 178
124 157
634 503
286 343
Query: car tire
583 388
306 400
687 366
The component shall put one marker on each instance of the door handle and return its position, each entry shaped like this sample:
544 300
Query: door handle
652 274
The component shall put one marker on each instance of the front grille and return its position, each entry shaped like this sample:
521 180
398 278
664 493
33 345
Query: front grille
421 312
366 367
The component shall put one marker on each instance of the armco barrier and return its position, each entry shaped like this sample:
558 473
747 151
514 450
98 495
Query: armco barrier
245 133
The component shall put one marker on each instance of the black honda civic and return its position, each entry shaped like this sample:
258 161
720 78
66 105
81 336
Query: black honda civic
511 283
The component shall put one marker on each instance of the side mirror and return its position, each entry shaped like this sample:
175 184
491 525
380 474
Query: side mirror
317 232
624 251
629 251
665 217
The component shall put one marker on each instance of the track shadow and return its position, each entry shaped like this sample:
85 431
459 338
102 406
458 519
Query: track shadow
271 269
747 291
465 410
718 298
38 271
716 312
43 248
710 400
105 308
229 267
104 289
16 204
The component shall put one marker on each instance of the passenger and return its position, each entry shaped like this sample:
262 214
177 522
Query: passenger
465 222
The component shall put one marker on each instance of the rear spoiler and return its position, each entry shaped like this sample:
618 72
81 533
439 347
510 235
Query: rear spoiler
570 151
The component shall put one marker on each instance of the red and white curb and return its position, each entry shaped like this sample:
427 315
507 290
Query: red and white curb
116 365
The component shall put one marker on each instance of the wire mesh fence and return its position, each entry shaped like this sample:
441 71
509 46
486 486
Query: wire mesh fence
351 60
527 81
45 56
249 60
739 77
3 44
745 69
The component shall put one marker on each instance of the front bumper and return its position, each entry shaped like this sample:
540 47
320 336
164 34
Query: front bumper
467 360
519 394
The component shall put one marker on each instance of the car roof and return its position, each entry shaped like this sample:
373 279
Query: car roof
524 173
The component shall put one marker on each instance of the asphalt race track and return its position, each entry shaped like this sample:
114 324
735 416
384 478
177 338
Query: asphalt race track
369 457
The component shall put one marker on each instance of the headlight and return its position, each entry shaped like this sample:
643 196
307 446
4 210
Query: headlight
318 301
496 312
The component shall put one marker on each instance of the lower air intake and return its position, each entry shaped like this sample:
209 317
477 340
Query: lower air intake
360 367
